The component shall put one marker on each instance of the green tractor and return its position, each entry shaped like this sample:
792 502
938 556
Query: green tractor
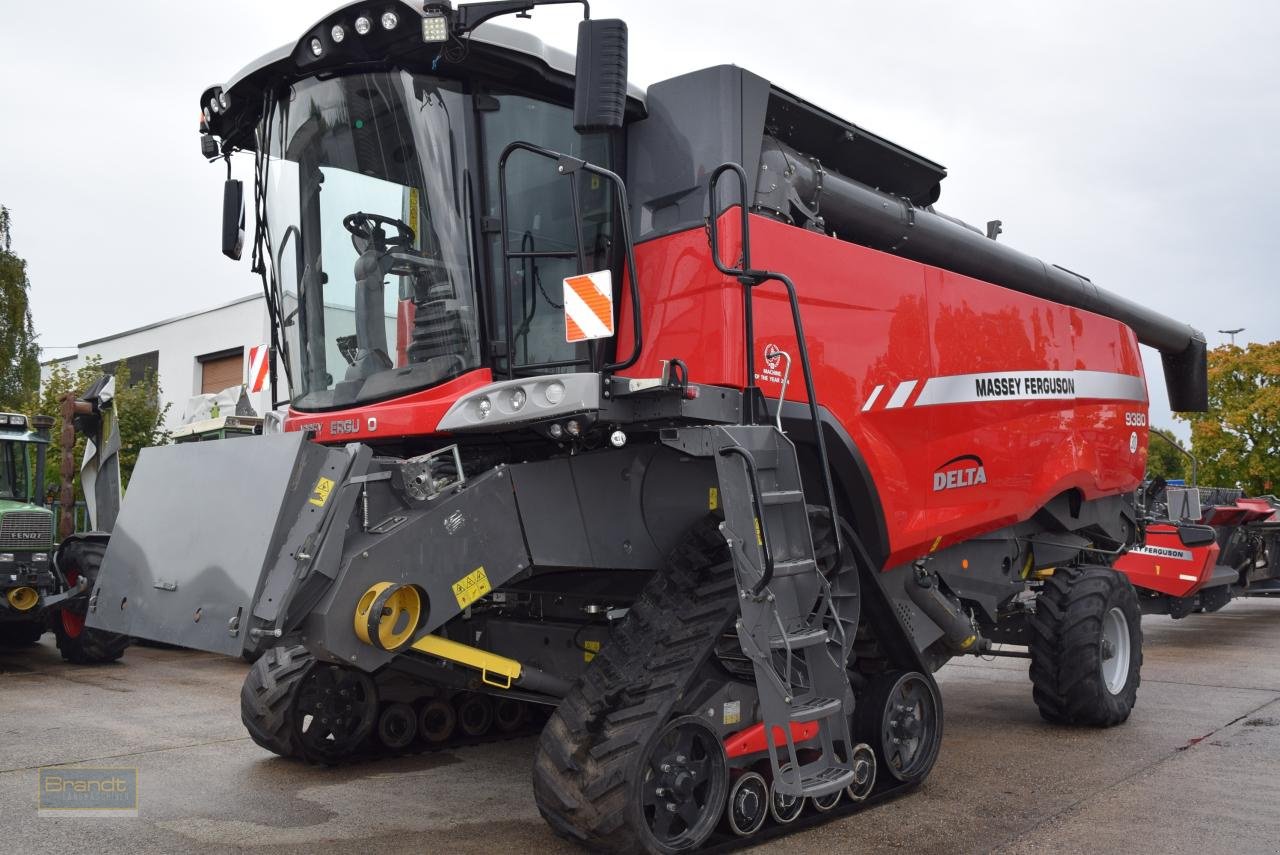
43 589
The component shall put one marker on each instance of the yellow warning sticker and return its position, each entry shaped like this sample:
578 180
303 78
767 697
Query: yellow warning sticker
759 537
471 587
713 498
320 492
589 650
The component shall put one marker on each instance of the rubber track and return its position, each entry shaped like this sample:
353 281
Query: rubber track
265 699
1065 647
586 758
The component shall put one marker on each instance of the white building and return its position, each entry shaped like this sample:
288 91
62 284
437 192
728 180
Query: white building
196 353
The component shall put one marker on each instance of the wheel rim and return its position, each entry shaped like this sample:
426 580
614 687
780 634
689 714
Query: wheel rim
335 711
909 731
748 804
475 715
1115 650
827 802
782 807
72 622
683 788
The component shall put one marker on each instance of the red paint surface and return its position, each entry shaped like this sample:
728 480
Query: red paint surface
876 319
751 740
1163 573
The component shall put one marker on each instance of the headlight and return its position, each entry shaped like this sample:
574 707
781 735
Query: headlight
389 20
337 34
363 25
316 47
40 558
518 397
6 556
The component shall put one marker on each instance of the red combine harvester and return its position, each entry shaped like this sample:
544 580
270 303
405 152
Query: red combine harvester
1204 550
678 420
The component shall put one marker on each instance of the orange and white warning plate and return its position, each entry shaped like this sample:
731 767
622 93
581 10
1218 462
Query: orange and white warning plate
588 306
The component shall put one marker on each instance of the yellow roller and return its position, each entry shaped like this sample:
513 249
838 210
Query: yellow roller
398 615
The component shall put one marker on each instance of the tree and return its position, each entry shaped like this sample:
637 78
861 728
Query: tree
19 354
1238 440
1163 459
137 407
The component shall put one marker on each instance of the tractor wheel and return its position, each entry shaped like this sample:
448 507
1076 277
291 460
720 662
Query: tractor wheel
78 643
900 716
21 633
1086 647
619 766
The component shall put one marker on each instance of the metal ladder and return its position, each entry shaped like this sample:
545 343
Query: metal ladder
795 625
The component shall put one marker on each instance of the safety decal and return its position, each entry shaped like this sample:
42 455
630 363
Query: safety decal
588 306
732 712
1006 386
258 363
320 492
589 650
713 498
471 587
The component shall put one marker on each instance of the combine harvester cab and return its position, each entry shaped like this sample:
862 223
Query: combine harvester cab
678 420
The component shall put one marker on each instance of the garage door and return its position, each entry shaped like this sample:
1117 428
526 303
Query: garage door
221 371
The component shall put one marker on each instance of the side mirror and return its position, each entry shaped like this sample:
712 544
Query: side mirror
600 90
233 218
1196 535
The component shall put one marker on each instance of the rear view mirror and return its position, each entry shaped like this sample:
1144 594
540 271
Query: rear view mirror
233 218
600 93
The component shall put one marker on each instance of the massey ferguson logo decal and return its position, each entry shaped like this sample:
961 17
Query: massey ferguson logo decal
1029 386
1163 552
963 471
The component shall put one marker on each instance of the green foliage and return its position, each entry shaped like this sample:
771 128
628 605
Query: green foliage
19 354
137 407
1163 459
1238 440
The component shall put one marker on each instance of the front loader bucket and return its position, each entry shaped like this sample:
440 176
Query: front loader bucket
203 525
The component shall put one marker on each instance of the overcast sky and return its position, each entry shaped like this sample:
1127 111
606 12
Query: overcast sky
1134 142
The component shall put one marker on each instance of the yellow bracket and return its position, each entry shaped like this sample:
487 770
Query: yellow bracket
473 657
398 618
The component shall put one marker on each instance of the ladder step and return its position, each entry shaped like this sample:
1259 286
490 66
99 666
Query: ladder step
794 567
781 497
815 708
799 638
826 781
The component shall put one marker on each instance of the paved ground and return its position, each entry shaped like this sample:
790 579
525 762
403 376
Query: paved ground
1197 768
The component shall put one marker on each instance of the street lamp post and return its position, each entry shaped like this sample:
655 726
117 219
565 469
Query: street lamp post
1232 333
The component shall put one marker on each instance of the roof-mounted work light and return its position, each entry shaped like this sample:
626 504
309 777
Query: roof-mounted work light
435 22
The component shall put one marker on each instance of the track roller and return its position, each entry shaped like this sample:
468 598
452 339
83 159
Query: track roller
782 807
864 773
475 713
437 721
509 715
397 726
748 805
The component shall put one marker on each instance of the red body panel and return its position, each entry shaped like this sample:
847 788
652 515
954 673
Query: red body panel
411 415
879 327
1167 566
751 740
1243 511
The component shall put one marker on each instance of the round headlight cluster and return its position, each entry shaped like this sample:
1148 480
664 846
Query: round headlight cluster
389 20
337 34
316 47
363 25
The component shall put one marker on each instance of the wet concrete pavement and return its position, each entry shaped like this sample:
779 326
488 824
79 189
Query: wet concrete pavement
1196 769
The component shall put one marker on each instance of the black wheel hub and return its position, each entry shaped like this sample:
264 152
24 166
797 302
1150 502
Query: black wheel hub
335 710
684 787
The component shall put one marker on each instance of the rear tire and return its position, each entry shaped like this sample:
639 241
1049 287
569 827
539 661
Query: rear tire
1086 647
79 644
21 633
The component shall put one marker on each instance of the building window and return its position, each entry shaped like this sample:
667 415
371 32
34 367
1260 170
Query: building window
221 370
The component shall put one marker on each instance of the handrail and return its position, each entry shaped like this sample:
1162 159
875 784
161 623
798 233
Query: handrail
567 165
750 278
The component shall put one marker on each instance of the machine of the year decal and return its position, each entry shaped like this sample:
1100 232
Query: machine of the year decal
677 425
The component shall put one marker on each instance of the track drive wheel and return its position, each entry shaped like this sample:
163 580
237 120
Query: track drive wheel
1086 647
295 706
78 643
900 716
618 767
